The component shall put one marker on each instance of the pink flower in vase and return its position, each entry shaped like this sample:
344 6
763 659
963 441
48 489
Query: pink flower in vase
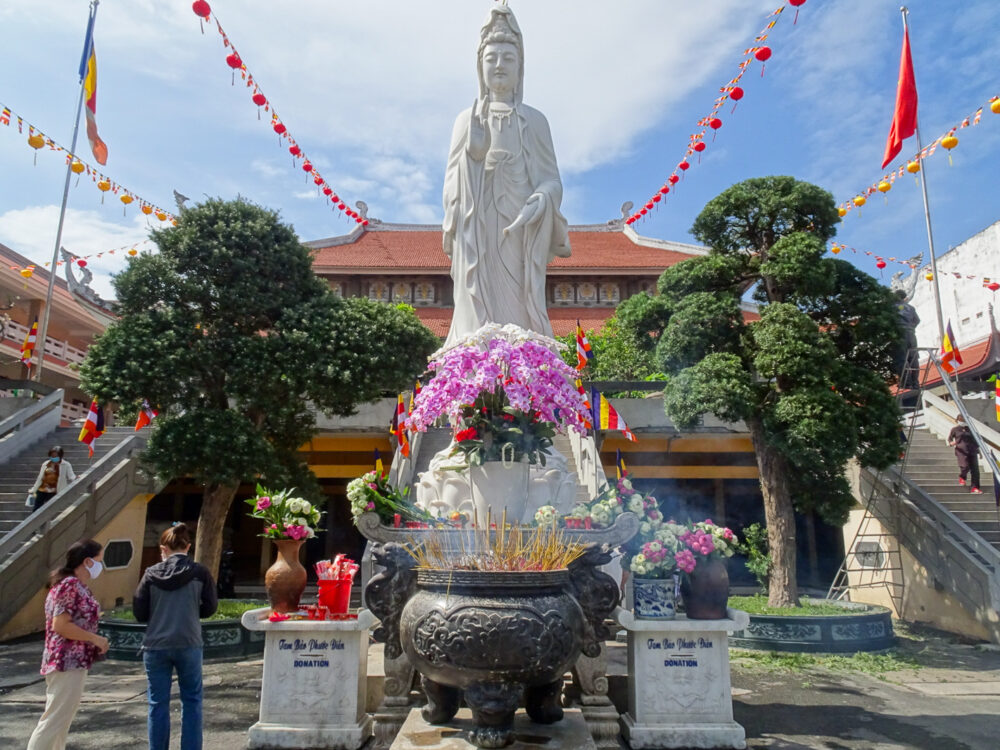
264 503
685 560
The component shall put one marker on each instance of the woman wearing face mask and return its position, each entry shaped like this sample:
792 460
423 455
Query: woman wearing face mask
172 596
54 476
72 644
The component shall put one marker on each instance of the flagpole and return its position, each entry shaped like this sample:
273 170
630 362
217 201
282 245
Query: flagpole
927 210
53 269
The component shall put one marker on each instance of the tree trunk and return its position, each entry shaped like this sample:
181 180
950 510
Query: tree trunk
215 502
779 516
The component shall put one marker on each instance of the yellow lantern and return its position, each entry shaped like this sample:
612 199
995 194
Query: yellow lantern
26 273
841 212
949 142
126 198
860 200
161 216
133 252
36 142
995 106
884 187
76 167
174 222
146 209
835 248
929 276
104 186
913 167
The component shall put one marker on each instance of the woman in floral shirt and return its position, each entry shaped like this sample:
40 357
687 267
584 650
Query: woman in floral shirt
72 644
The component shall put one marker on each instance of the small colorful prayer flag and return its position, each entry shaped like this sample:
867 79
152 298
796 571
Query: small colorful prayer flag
583 352
28 347
93 428
146 415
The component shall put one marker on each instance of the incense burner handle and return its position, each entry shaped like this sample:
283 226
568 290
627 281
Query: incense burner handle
388 591
597 594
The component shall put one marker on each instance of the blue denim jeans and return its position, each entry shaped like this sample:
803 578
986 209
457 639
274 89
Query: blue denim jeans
160 664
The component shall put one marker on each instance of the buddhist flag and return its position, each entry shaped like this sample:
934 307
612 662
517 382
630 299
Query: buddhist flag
620 469
583 353
28 347
606 417
904 118
950 355
146 415
997 397
586 404
398 428
88 77
413 395
93 428
379 467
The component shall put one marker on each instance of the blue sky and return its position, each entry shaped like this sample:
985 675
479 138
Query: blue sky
370 92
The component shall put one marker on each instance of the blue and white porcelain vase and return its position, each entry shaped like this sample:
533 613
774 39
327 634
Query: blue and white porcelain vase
654 598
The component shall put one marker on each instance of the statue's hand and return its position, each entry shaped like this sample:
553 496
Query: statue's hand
531 213
479 137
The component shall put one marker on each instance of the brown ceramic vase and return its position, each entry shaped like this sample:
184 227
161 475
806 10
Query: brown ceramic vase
705 592
286 579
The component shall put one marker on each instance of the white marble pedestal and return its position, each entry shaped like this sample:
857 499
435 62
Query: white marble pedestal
679 691
314 684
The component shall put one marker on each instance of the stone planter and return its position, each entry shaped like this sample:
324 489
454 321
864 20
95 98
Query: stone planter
862 627
496 637
495 486
224 639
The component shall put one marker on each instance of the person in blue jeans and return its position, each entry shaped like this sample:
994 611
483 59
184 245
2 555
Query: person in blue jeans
172 597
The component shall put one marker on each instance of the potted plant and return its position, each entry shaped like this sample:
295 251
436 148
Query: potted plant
288 521
701 560
505 392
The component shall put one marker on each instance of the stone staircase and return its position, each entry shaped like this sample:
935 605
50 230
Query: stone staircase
561 443
19 473
931 465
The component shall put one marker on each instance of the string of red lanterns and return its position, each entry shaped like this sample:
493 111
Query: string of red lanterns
38 140
881 263
731 91
947 141
235 62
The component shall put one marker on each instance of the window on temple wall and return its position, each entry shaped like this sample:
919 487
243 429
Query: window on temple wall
587 293
424 293
378 291
402 292
564 293
337 287
610 293
647 286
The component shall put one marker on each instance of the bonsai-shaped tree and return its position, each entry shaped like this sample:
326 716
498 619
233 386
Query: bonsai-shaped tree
809 378
230 335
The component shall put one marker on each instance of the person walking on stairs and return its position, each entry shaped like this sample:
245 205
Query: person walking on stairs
967 453
54 476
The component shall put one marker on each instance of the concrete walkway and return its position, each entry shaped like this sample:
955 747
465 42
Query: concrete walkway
952 702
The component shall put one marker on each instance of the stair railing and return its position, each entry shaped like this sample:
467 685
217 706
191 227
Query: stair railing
30 424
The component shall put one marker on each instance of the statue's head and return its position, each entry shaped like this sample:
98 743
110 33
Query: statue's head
500 40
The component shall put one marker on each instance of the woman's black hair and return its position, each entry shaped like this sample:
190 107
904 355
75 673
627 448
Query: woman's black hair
57 449
75 555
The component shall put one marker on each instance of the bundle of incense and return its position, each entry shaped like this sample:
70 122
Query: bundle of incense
339 569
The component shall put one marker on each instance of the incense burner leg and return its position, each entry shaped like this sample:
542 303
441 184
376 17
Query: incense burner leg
493 706
442 701
542 702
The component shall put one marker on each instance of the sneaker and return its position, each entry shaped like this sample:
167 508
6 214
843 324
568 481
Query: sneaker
961 482
976 491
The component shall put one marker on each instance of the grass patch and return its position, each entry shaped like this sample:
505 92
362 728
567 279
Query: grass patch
229 609
757 605
866 662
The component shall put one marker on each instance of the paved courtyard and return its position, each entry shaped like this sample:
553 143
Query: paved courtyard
949 700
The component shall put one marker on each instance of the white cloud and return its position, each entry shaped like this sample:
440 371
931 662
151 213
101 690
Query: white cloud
307 195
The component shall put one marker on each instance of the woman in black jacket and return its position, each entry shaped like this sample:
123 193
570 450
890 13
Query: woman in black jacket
172 597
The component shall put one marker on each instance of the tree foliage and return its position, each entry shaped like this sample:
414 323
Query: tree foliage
229 333
810 376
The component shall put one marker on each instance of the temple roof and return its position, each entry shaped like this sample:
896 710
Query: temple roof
416 248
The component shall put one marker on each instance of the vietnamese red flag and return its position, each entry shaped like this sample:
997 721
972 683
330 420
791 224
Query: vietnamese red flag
904 119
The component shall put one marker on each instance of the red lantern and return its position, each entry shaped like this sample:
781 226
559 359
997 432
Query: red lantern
318 179
795 4
357 219
715 123
307 167
327 190
259 99
649 206
880 264
233 60
763 54
335 198
630 219
684 166
643 211
279 128
657 198
201 8
664 190
82 263
294 150
341 206
674 179
993 286
736 93
364 223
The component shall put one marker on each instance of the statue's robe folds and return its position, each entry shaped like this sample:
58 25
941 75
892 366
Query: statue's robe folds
501 279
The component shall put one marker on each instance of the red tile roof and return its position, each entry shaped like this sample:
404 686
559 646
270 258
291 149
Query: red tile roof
974 357
420 249
438 319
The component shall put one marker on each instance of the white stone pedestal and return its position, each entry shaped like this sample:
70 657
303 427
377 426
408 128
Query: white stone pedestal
314 684
679 692
569 734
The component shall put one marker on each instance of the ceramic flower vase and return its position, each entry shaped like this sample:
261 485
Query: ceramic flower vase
654 598
705 591
495 485
285 580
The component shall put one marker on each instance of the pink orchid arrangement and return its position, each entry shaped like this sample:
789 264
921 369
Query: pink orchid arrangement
505 391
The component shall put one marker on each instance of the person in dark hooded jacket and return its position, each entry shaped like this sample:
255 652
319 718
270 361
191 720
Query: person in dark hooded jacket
172 597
